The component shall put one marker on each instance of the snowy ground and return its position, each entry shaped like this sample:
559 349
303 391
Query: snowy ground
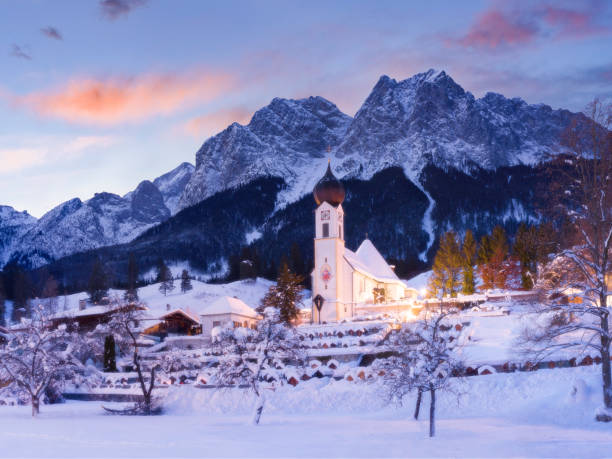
502 415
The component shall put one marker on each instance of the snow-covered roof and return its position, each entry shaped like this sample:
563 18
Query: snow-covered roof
368 260
96 310
229 305
189 314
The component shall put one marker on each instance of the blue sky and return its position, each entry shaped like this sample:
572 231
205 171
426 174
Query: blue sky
97 95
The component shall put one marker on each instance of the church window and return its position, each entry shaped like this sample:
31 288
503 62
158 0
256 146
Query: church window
325 229
216 323
325 215
340 231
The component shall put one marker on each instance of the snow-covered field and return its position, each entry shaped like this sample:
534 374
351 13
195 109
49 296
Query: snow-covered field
538 414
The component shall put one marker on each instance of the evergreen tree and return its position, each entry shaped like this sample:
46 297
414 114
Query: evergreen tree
131 293
98 284
250 263
164 277
256 259
185 281
271 271
247 270
23 291
234 268
499 246
446 267
296 261
50 293
493 264
525 248
161 269
286 295
499 240
484 250
110 359
468 260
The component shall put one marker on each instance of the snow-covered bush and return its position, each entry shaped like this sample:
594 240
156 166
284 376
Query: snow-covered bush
38 359
425 358
258 358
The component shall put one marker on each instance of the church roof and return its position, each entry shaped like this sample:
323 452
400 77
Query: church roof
368 260
229 305
329 189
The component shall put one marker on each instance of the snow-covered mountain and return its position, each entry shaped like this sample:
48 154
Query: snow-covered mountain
427 119
75 225
172 184
13 225
427 125
282 140
430 120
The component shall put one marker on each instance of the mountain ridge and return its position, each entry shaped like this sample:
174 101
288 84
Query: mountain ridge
105 219
427 119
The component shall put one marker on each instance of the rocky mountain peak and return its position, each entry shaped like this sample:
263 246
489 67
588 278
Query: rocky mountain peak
280 139
172 184
148 204
425 121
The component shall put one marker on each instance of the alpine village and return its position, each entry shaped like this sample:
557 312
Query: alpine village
352 265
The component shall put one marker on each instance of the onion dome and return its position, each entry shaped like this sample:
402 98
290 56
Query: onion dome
329 189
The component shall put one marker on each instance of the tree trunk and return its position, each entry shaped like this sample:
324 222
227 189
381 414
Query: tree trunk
259 406
147 403
605 362
432 412
417 408
35 406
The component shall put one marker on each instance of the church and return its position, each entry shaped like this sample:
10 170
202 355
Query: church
344 282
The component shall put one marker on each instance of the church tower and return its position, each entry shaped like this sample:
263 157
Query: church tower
328 277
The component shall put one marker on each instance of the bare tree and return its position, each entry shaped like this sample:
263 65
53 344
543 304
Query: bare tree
38 357
581 272
126 326
426 357
258 358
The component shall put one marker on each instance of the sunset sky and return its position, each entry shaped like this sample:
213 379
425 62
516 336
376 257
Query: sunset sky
99 95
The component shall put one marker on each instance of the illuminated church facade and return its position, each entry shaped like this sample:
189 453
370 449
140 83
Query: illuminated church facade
344 282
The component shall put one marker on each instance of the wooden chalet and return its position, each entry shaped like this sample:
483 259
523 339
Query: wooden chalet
87 319
176 322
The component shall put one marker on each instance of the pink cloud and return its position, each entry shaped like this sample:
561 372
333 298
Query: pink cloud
502 27
116 100
495 28
214 122
573 23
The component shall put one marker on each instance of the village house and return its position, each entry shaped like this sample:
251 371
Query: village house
228 311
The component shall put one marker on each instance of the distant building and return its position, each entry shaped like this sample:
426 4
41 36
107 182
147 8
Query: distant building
227 311
176 322
87 319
